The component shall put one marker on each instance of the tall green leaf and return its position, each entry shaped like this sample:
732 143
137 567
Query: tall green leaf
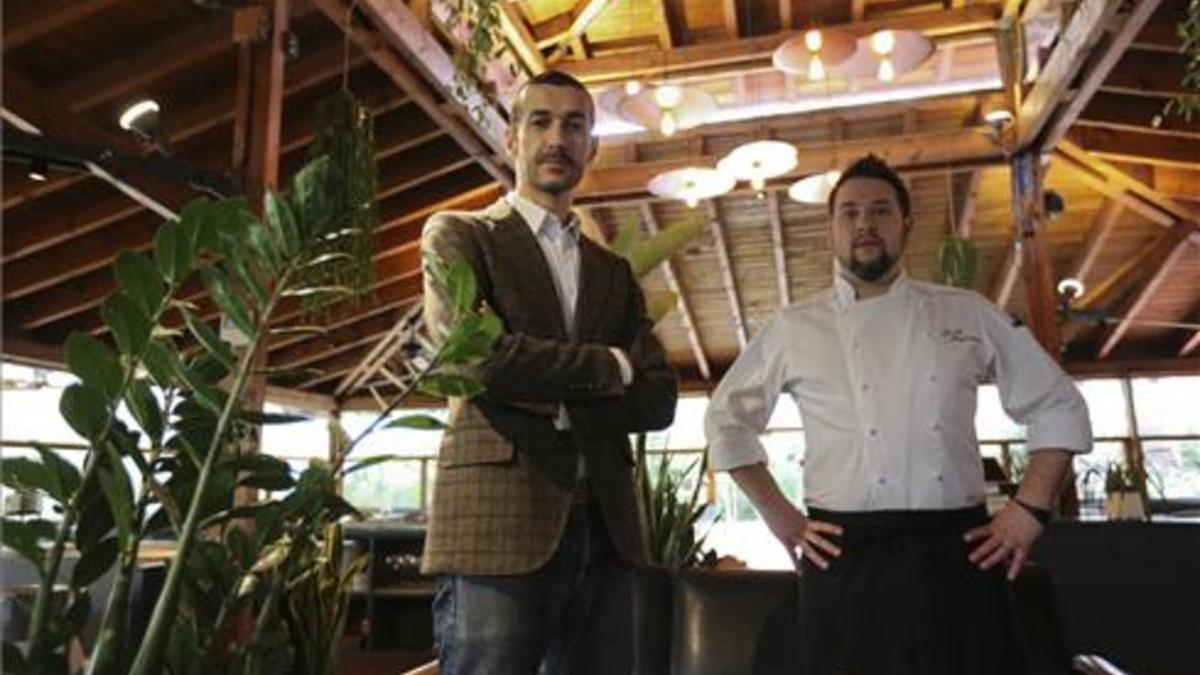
128 323
281 218
24 537
85 409
94 562
160 358
92 362
114 481
173 252
144 407
227 298
139 280
207 337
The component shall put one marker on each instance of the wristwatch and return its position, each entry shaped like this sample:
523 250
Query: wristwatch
1039 514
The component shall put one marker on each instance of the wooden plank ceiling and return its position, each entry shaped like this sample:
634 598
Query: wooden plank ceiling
1129 178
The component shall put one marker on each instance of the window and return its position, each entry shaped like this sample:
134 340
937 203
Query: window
399 485
991 422
1169 426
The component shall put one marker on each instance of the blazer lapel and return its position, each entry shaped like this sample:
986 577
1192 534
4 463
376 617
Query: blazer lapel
516 243
595 275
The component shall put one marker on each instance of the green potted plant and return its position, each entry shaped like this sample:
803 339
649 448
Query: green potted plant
251 588
1125 487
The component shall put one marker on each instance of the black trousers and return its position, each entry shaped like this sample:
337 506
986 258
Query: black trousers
903 599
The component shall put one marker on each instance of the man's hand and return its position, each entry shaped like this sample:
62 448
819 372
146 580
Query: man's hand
1009 536
794 531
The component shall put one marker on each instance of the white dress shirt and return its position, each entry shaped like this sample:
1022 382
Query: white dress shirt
886 390
559 242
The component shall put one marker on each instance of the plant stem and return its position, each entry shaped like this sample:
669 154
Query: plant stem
150 654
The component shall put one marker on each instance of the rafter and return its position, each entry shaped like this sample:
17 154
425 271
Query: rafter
30 21
940 149
1036 269
1177 152
1096 71
1075 45
725 263
1140 114
172 52
1103 224
1161 270
37 111
398 27
1006 279
650 221
729 8
972 20
667 24
1191 345
1118 178
965 195
583 15
779 250
1137 269
787 16
516 32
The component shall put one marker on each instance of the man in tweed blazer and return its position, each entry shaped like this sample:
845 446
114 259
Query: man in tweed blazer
534 529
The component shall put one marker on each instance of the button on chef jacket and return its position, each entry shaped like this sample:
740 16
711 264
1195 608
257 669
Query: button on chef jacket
886 390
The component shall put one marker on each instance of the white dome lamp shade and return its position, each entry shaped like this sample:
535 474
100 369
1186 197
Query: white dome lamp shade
814 53
759 161
886 54
667 108
814 189
691 184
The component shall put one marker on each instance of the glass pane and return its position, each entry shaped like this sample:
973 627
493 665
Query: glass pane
749 541
687 431
29 412
991 422
385 488
1167 405
307 440
1173 468
397 441
785 458
1090 470
1106 407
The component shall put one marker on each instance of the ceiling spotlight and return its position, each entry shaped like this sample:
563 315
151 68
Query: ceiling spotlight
998 118
139 114
633 88
1053 204
38 170
1070 288
668 95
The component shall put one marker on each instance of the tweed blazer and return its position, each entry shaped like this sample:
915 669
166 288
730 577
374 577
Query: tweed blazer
503 486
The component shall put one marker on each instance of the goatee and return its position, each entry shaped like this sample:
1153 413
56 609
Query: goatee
871 271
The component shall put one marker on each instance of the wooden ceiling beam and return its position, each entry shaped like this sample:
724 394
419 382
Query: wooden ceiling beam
669 26
1161 269
30 21
516 32
779 248
1175 152
725 262
395 25
1095 70
650 222
582 16
37 111
941 149
1137 269
787 15
1036 268
1036 115
132 72
729 9
1103 224
1006 278
975 19
287 350
1141 114
1114 176
964 196
1144 73
1191 344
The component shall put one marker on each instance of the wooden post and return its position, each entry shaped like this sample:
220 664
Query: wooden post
1035 267
1037 276
263 124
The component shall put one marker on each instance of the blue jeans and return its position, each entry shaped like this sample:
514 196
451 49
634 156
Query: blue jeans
572 616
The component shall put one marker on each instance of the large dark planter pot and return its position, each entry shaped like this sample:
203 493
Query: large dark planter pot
653 592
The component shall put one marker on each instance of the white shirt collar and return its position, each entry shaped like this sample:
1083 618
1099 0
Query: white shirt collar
844 294
536 217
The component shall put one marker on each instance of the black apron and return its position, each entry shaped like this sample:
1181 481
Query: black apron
903 599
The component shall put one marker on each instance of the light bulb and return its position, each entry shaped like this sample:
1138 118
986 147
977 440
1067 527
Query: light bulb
668 96
812 40
883 42
133 112
887 70
758 183
692 202
668 125
816 69
633 88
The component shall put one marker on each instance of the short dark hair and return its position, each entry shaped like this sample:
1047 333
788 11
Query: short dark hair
550 78
873 166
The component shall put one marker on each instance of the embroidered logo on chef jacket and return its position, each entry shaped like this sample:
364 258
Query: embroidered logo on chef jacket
957 335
